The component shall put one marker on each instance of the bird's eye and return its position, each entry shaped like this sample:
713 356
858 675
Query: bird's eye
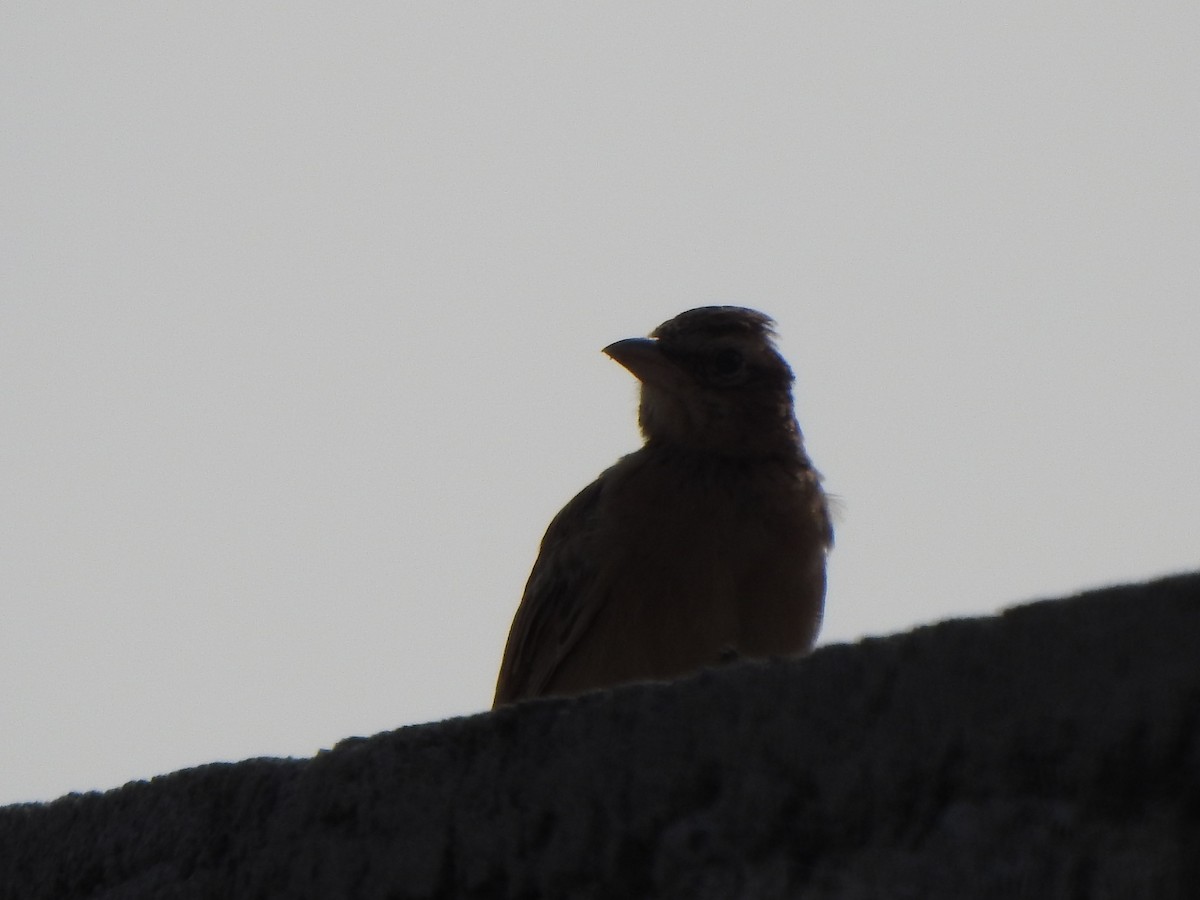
726 364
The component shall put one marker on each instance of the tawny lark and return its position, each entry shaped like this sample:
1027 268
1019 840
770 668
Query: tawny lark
707 544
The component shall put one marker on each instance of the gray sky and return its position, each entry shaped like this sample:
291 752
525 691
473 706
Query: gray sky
302 309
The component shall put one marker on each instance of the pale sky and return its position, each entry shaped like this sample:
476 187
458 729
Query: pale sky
302 309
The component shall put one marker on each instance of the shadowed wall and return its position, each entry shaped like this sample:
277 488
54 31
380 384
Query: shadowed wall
1051 751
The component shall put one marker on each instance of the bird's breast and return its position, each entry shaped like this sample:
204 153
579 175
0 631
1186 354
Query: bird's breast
712 558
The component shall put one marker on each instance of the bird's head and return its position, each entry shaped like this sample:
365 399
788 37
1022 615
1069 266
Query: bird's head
712 381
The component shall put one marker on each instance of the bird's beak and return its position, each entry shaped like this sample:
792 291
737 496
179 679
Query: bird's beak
645 359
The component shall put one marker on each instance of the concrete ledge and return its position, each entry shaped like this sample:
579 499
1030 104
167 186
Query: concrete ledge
1052 751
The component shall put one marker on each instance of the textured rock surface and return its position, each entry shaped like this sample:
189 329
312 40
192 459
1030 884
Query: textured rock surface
1052 751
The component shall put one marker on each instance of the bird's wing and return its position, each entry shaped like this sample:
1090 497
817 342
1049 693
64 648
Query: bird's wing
559 601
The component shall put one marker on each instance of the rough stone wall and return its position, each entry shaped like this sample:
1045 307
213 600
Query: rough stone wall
1051 751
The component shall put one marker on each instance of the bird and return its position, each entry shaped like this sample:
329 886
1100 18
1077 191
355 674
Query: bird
708 544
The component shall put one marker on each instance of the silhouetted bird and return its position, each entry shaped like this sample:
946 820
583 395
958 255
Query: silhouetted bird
706 544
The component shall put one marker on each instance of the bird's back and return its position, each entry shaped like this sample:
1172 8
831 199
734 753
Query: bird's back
670 562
